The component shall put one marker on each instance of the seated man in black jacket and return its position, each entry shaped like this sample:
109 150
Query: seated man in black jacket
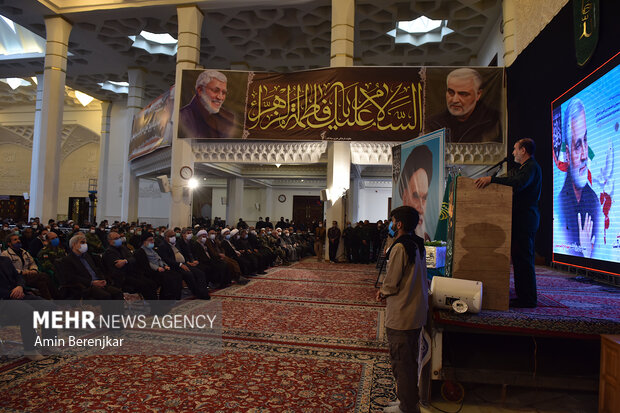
248 267
120 266
150 265
81 272
196 279
16 307
194 252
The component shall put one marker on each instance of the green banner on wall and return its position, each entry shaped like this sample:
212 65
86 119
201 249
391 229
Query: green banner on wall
586 24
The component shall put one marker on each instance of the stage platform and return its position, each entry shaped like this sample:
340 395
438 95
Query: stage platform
555 345
568 306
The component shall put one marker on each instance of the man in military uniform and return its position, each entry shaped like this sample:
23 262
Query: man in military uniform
50 253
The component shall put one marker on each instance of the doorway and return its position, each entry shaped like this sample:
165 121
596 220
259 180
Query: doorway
307 209
78 210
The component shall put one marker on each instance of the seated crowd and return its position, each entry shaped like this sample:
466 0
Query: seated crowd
63 262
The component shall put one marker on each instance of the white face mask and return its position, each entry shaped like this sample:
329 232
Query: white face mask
92 231
172 240
83 248
189 236
211 237
202 240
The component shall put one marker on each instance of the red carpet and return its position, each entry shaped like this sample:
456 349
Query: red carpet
295 340
304 291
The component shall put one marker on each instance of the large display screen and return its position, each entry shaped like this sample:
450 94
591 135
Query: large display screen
586 171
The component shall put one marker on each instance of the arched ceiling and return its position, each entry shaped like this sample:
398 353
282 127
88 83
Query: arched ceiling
277 35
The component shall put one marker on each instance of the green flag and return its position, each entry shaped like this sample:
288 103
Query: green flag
441 234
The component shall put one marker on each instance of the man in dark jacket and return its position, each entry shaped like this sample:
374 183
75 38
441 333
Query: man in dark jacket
120 266
82 274
196 279
209 261
150 265
16 306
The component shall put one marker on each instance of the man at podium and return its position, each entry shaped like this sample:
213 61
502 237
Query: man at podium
526 184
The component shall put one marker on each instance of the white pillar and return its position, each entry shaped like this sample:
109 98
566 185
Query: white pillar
234 197
268 209
339 153
48 124
104 160
188 55
131 184
354 197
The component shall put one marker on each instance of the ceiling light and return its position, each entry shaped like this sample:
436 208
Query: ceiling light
192 183
155 43
9 23
115 87
161 38
278 165
126 84
420 31
83 98
15 82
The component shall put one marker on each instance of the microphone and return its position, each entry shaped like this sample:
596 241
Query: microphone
498 164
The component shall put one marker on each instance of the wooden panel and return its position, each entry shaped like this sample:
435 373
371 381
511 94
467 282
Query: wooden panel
482 232
609 388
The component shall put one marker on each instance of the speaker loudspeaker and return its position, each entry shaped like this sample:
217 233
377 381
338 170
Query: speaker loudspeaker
26 196
164 183
323 195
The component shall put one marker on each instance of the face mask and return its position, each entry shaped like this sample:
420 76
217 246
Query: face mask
211 237
55 242
320 225
391 230
35 227
189 236
16 232
138 232
253 232
173 240
202 240
177 234
118 242
83 248
228 236
17 246
92 231
245 236
286 234
150 245
123 239
44 237
131 231
269 233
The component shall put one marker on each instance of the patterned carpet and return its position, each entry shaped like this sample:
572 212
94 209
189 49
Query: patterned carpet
295 340
567 306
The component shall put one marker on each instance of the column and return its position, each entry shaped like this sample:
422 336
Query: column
267 210
354 197
188 55
339 153
234 198
44 177
104 160
510 31
37 173
131 183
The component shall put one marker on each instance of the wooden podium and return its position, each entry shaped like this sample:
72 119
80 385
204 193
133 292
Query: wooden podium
482 232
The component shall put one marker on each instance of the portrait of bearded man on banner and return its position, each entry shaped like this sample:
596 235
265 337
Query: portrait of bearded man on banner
204 117
470 113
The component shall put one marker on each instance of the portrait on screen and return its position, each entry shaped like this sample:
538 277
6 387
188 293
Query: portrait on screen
585 171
